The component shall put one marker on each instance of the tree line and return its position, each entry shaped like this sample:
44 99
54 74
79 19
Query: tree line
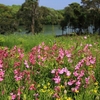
80 17
29 16
32 17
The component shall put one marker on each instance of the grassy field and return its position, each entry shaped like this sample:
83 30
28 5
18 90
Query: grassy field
44 67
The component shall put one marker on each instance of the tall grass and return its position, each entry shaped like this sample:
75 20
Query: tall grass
29 41
25 41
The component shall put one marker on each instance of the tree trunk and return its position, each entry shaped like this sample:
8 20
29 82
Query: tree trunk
34 15
33 20
32 26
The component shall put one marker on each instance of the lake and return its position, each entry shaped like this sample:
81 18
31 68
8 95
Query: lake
47 29
54 29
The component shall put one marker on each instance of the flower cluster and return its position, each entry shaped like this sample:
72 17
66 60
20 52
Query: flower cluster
58 72
46 70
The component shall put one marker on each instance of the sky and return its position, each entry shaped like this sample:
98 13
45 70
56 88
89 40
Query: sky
56 4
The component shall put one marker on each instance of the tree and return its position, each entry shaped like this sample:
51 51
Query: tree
93 8
8 22
91 4
29 16
78 18
50 16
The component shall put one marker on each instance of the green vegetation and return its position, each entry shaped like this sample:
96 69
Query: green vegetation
29 41
8 21
31 17
24 41
80 17
45 67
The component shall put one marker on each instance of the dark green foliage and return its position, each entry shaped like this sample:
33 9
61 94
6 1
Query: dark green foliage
28 16
50 16
8 22
80 17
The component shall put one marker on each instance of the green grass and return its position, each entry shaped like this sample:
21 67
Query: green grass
29 41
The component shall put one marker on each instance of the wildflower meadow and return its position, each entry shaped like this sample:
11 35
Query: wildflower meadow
50 68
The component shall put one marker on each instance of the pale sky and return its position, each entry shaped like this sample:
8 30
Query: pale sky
56 4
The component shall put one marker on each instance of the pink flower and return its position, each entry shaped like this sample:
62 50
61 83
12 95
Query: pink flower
16 71
36 94
21 55
46 48
13 96
87 80
71 82
70 60
61 53
26 64
85 49
65 70
68 73
92 60
1 79
57 88
75 89
75 73
32 59
19 92
68 54
32 87
18 75
34 48
1 64
56 95
57 79
0 61
77 67
54 47
87 63
61 71
78 83
53 71
16 64
43 58
39 56
18 78
80 64
82 73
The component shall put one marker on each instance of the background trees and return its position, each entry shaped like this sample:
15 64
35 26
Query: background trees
50 16
28 16
8 22
81 17
74 17
31 17
93 8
